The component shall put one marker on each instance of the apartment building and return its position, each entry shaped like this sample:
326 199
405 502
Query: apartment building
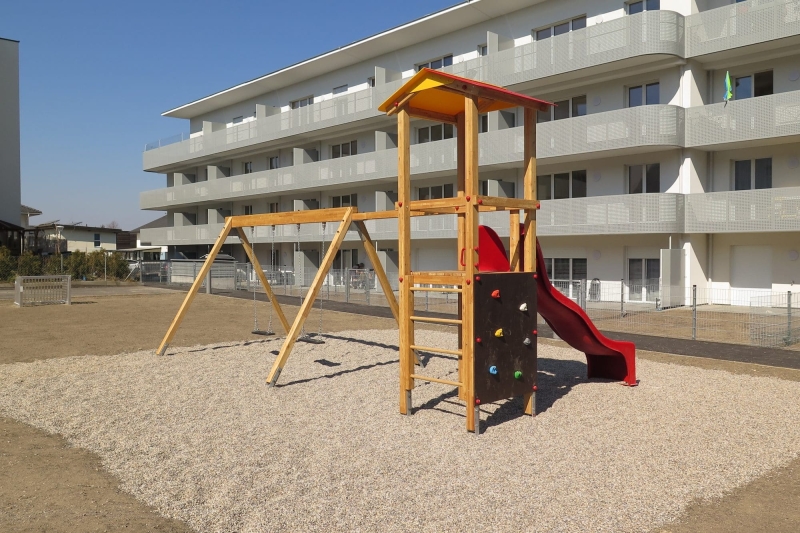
10 192
647 171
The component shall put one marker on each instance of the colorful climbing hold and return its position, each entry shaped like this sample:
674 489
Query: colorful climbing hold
498 333
518 375
496 294
493 370
478 340
526 342
523 307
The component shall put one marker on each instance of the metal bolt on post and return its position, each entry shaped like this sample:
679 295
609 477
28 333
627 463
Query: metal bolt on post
694 312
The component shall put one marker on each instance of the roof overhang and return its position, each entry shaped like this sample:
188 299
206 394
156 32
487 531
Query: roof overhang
463 15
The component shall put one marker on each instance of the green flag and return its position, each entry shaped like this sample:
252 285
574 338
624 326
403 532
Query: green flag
728 88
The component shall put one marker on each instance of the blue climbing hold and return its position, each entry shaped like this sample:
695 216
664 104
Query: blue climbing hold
493 370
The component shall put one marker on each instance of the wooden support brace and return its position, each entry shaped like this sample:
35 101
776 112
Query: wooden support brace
313 291
260 273
198 281
369 247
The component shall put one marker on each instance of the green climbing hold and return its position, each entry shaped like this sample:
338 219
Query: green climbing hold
518 375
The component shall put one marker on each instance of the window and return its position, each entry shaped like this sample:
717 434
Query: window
437 63
238 120
759 84
371 81
644 178
340 89
483 50
344 149
750 174
483 123
273 162
436 191
97 240
571 107
566 269
643 279
509 118
303 102
561 28
642 5
247 167
562 185
348 200
648 94
435 133
247 209
274 207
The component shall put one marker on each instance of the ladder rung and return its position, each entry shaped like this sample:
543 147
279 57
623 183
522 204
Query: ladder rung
435 350
434 289
436 380
451 321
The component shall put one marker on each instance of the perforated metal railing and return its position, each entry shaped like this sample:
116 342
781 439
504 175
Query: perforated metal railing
748 211
42 290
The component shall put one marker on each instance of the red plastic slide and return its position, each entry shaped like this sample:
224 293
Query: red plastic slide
606 358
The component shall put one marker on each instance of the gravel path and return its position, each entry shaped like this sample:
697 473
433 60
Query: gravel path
199 436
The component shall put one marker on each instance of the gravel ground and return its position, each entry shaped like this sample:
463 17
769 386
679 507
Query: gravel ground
199 436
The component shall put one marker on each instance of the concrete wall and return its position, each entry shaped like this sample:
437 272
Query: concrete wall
10 189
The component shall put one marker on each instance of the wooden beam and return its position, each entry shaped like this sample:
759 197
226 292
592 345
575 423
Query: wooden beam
260 273
334 214
452 277
403 101
406 306
507 203
372 255
512 100
530 186
462 224
439 203
431 115
436 380
513 241
471 122
308 303
198 281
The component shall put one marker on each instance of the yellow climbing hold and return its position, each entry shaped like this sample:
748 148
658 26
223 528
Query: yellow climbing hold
498 333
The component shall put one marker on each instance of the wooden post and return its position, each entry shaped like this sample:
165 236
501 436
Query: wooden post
260 272
513 241
462 224
369 247
529 132
404 245
313 291
198 281
470 242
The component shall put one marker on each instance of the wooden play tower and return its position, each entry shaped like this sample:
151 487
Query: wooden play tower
442 97
497 292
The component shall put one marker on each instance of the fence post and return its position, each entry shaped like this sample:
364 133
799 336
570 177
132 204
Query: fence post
694 312
621 298
208 279
367 285
789 318
347 285
582 288
141 271
426 299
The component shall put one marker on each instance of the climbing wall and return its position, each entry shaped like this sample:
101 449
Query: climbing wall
505 335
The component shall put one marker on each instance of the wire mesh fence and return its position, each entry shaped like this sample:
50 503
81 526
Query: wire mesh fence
757 317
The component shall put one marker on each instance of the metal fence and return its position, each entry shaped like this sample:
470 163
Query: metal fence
42 290
757 317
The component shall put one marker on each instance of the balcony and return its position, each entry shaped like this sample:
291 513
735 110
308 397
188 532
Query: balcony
716 126
741 24
647 126
764 210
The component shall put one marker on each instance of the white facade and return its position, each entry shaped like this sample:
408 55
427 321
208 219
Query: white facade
9 132
81 238
641 158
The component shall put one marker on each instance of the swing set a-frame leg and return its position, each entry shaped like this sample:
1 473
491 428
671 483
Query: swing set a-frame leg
260 273
308 302
176 322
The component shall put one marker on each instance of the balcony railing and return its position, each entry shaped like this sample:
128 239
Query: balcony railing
744 211
765 117
741 24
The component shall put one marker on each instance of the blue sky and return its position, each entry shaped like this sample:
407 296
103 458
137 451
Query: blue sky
95 77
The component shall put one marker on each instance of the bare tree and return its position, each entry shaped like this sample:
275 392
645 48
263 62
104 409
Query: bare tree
113 225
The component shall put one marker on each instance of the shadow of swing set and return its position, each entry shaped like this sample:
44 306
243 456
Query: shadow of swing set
499 293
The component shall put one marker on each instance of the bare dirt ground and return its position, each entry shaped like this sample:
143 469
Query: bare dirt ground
46 485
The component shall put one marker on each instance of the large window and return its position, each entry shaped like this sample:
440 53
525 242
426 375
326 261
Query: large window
273 162
643 279
435 192
247 167
648 94
344 149
571 107
302 102
562 185
644 178
577 23
758 84
347 200
566 269
752 174
274 207
643 5
435 133
247 209
439 62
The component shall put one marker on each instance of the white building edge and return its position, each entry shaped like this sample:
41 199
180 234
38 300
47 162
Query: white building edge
645 173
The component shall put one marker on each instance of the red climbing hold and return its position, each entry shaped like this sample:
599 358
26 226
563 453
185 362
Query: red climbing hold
496 294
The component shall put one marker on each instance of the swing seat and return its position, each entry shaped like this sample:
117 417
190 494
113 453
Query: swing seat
262 332
310 339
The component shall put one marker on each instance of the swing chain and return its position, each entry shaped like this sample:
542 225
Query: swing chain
322 258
